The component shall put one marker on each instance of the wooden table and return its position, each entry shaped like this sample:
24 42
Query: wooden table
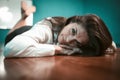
64 68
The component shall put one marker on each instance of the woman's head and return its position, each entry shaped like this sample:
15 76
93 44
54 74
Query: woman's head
88 32
74 33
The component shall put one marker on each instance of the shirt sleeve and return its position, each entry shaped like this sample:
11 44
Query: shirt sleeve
32 43
39 50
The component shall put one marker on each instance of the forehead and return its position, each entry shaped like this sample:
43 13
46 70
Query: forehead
75 25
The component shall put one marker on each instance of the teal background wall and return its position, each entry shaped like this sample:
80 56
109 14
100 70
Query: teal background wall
3 33
66 8
108 10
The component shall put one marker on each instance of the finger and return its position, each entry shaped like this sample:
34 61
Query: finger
65 47
77 50
65 51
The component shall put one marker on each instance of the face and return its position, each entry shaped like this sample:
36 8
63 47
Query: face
73 34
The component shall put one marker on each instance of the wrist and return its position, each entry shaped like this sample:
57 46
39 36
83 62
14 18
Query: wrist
58 49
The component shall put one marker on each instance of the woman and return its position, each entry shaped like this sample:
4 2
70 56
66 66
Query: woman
86 35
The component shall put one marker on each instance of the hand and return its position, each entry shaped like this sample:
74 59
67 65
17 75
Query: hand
70 50
58 49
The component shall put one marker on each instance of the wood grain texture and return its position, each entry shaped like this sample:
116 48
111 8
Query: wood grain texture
64 68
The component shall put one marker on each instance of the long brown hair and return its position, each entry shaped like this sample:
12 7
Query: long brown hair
99 36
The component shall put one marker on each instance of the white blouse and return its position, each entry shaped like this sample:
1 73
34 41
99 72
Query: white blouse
32 43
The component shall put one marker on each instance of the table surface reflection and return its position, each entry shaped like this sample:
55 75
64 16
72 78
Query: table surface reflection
64 68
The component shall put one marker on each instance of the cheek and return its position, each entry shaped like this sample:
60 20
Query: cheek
60 38
83 38
63 35
64 31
